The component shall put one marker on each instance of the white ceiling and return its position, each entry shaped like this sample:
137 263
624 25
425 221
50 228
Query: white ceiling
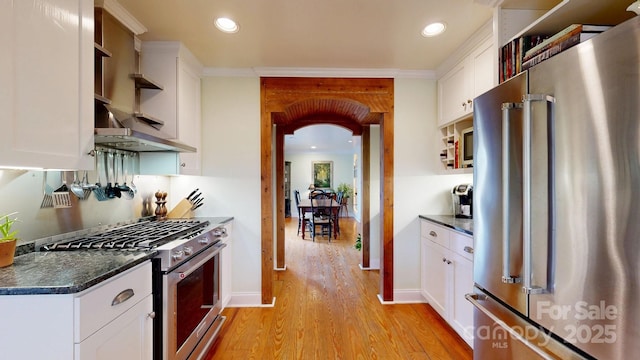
326 139
330 34
356 34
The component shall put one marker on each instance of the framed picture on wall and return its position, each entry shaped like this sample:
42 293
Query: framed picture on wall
322 174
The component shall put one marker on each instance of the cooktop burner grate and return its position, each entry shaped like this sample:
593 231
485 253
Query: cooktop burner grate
137 236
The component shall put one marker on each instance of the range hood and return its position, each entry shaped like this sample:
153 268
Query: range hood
118 122
121 130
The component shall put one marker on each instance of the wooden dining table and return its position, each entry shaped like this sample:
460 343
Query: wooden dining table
330 204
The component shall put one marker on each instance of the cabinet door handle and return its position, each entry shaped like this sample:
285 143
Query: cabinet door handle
122 297
152 315
468 249
433 233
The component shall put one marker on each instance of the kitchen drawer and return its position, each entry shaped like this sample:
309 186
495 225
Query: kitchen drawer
94 309
435 233
462 244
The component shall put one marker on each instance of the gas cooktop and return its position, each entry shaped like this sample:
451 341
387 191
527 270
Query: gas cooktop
147 234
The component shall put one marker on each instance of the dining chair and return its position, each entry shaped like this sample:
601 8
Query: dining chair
339 197
320 217
317 194
301 214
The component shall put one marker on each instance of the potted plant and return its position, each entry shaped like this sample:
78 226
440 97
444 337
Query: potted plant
358 244
346 189
7 240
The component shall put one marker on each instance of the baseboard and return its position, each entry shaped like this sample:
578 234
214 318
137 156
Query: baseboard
374 264
404 297
408 296
248 300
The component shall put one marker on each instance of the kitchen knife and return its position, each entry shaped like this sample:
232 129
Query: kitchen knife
196 203
197 206
195 198
193 192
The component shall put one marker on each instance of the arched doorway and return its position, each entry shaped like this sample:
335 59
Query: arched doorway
291 103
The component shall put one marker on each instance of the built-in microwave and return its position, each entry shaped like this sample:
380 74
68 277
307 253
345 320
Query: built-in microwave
466 153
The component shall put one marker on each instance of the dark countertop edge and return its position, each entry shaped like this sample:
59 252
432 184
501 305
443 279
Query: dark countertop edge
72 289
446 224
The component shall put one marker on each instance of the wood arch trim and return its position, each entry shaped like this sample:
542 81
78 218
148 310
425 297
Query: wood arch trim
291 103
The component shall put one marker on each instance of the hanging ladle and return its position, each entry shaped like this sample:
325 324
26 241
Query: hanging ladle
128 193
111 191
76 187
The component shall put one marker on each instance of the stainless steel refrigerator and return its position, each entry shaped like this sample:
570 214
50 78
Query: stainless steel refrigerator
557 206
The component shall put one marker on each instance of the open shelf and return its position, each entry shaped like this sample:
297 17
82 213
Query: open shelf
101 99
143 82
101 51
567 12
155 122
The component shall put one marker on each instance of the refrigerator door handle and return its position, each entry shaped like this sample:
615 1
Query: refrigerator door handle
528 99
507 277
518 335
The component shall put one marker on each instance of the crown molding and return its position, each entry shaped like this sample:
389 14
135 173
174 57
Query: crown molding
176 49
490 3
319 72
480 35
121 14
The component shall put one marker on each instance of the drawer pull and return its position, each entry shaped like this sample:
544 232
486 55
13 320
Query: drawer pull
122 297
468 249
433 233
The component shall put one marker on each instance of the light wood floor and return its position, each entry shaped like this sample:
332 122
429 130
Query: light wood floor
327 308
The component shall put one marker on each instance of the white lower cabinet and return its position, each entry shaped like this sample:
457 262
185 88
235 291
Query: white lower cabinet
111 320
130 336
447 275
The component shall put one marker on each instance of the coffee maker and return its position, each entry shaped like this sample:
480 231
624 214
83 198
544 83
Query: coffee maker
463 201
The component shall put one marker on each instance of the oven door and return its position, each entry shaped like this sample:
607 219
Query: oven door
191 298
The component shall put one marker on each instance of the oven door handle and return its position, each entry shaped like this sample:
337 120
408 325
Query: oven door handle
195 263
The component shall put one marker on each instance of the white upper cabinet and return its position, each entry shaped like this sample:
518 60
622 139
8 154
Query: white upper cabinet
470 77
178 104
46 72
453 94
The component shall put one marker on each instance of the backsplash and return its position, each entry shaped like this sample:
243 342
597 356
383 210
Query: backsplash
22 191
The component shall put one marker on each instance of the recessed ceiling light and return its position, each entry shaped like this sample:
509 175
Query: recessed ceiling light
313 146
226 25
433 29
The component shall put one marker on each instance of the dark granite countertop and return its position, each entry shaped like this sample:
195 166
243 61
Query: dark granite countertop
65 272
458 224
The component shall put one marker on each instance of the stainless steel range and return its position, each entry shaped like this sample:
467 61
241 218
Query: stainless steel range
186 276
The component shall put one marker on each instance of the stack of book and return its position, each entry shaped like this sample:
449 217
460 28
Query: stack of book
511 54
570 36
524 52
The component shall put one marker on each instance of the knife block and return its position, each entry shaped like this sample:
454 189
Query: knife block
181 211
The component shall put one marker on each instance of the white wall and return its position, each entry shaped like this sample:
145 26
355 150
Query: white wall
21 191
301 170
231 174
231 178
374 199
419 184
